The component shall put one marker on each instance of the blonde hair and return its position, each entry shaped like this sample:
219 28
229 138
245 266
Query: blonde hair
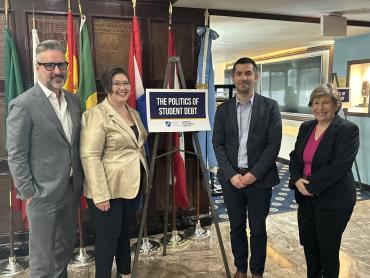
326 90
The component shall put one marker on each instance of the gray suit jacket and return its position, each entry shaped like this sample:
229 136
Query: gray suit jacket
264 139
39 154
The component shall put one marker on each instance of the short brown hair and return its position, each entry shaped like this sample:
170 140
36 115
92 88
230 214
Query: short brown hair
245 60
326 90
108 75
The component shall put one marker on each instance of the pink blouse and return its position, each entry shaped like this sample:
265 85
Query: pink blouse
309 152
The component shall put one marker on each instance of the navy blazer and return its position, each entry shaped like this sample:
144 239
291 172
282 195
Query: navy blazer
264 139
331 179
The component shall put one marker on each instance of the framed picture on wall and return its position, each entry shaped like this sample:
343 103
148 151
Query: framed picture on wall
358 79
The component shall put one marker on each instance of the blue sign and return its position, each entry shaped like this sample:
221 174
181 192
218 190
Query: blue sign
344 94
177 105
177 110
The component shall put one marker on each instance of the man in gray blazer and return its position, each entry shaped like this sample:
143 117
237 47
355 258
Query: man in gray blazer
246 139
43 129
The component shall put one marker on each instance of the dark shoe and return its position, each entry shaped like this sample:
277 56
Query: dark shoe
256 276
240 275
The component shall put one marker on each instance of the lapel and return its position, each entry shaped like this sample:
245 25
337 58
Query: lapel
123 127
44 105
74 112
232 117
304 140
327 138
257 112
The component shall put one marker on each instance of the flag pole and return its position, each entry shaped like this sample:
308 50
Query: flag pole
173 239
6 12
134 6
80 8
198 233
147 246
12 267
83 257
206 18
33 15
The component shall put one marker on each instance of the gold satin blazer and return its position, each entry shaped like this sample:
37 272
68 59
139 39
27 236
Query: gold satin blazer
111 154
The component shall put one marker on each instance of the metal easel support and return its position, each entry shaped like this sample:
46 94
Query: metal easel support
14 267
174 62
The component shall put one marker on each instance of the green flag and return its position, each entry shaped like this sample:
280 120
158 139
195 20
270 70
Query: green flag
13 77
87 86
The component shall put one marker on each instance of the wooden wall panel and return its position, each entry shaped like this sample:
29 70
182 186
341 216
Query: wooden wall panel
184 42
110 46
111 37
49 27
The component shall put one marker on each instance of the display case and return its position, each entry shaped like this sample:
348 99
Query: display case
358 80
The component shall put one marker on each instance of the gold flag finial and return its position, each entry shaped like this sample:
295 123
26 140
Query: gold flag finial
6 6
206 18
134 6
33 15
170 9
170 14
80 8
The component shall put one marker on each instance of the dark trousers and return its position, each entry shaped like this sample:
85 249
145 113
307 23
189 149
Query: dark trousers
255 203
320 233
112 229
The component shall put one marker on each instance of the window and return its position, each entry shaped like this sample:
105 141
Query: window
290 82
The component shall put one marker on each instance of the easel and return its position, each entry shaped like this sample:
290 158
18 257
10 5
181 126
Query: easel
172 64
333 77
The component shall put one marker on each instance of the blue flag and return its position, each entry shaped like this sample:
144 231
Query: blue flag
205 80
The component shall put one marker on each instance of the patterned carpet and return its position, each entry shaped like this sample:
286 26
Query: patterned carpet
282 199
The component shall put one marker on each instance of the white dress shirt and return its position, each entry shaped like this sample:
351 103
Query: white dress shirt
61 110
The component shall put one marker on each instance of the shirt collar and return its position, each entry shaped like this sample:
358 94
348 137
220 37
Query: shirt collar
48 92
249 101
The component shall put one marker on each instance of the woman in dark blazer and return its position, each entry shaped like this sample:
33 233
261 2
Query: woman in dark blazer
320 169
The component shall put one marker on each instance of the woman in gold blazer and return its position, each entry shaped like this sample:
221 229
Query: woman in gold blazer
113 159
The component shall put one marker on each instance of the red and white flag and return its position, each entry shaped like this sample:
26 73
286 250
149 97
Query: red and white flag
135 64
178 158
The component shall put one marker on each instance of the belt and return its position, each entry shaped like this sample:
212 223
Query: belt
243 171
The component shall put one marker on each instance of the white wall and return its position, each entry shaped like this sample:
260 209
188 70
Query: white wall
219 73
290 132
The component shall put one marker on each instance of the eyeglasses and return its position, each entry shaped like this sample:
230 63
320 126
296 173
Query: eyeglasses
121 84
51 66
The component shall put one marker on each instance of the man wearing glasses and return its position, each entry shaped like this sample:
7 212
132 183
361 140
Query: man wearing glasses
43 128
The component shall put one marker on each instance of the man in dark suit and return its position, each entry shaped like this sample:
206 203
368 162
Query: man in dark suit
246 140
43 131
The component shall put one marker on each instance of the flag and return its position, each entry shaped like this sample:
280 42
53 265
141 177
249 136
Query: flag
178 158
13 88
71 84
137 94
205 80
35 43
87 86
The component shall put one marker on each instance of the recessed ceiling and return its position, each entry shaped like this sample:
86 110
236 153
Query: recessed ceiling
311 8
253 37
